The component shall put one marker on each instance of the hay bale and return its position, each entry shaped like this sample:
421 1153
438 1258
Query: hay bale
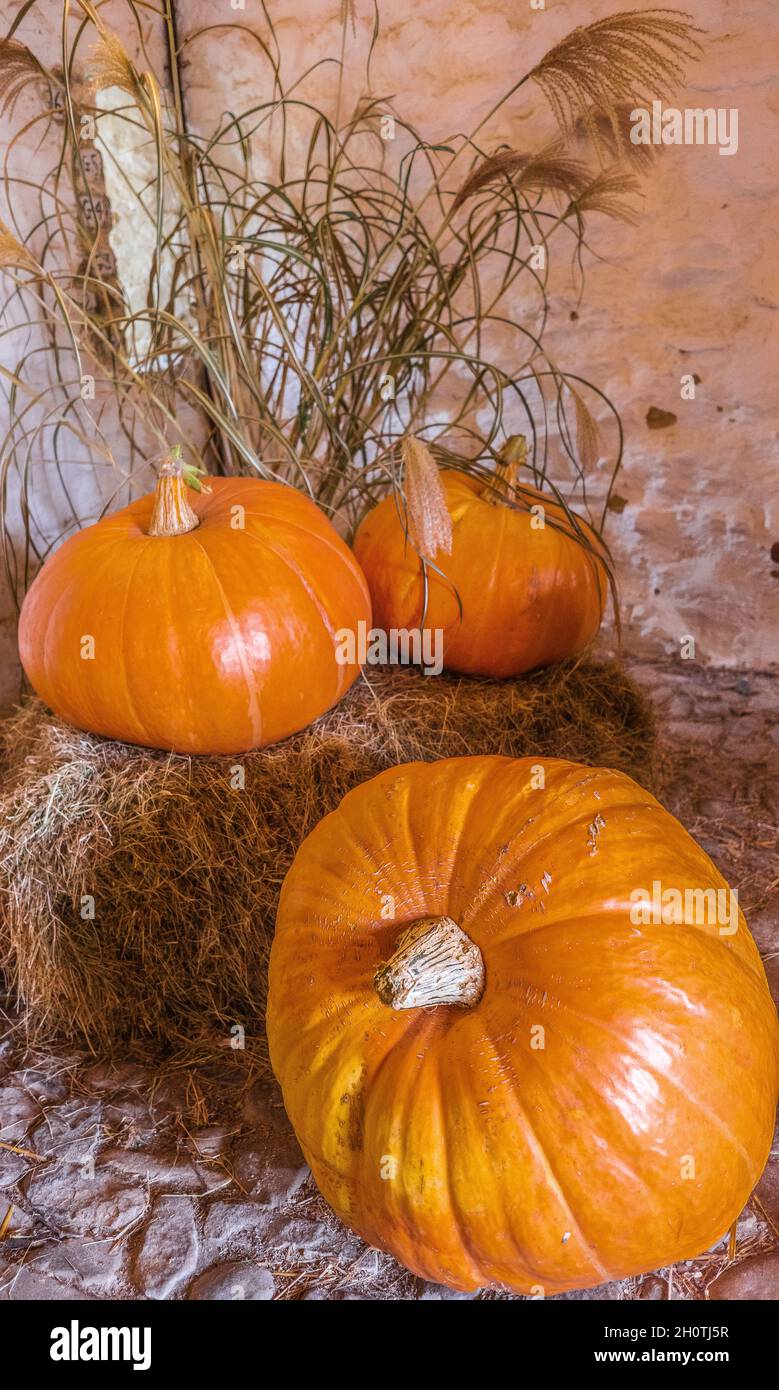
139 888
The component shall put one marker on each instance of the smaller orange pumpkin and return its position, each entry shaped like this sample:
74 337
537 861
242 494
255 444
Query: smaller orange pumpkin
524 585
200 622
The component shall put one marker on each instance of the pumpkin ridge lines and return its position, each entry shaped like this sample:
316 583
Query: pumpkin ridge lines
76 581
407 1036
283 521
255 708
292 565
465 824
409 835
454 1208
556 1183
313 1141
417 1037
317 601
122 653
663 1077
492 878
323 1024
491 593
544 923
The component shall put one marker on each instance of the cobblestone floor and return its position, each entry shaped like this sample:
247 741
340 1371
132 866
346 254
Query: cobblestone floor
105 1190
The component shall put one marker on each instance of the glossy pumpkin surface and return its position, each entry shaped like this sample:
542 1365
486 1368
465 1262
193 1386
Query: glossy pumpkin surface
607 1105
531 595
214 641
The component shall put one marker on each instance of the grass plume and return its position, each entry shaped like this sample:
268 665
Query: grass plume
631 57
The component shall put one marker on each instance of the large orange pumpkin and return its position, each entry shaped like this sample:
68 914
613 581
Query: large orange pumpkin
494 1072
521 588
199 622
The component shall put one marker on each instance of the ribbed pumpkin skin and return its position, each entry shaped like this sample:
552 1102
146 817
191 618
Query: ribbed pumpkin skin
216 641
529 597
443 1135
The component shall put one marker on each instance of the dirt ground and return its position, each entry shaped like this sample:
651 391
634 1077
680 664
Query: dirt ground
106 1191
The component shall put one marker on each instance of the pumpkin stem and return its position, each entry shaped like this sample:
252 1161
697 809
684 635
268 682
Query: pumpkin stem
512 457
172 515
434 962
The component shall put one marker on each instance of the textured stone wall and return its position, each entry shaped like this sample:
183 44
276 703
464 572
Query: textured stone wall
692 289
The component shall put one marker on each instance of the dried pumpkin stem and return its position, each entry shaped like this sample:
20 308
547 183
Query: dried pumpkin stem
434 962
172 515
512 457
